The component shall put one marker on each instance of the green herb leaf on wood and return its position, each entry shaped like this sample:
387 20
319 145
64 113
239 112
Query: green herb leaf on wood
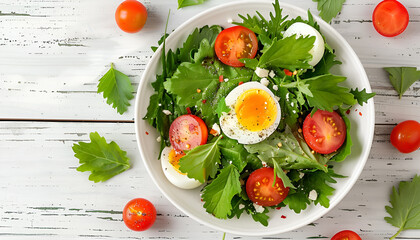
103 160
329 8
361 96
117 89
186 3
402 78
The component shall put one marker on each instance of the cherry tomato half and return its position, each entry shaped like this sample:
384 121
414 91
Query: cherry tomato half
324 132
406 136
260 190
390 18
187 132
235 43
139 214
346 235
131 15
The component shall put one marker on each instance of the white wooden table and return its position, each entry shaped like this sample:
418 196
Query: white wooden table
52 53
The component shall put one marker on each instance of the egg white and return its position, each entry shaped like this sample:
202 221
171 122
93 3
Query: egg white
176 178
303 29
229 121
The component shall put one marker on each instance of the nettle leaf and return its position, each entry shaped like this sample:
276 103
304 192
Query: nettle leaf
201 162
402 78
405 206
290 53
219 193
103 160
117 89
361 96
329 8
186 3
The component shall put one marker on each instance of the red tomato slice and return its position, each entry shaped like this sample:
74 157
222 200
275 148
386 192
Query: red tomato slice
406 136
346 235
139 214
390 18
235 43
260 190
324 132
187 132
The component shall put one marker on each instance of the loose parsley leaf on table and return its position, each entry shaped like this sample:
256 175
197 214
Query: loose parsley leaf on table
186 3
104 160
329 8
117 89
405 206
402 77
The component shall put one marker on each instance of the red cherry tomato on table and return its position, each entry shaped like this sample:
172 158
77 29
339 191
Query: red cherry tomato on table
260 189
235 43
346 235
187 132
390 18
131 15
139 214
406 136
324 132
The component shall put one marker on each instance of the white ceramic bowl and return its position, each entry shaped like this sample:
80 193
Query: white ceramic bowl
189 201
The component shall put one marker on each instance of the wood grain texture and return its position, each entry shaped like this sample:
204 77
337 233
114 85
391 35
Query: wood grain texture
52 53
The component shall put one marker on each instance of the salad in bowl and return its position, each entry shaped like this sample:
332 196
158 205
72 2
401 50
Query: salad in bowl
252 117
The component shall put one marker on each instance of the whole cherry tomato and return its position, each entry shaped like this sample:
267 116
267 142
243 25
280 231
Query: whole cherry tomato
131 15
406 136
139 214
390 18
346 235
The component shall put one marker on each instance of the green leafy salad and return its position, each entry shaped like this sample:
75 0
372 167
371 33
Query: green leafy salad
253 116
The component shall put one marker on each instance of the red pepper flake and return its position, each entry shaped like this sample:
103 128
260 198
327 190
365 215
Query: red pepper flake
204 101
202 200
278 208
282 216
221 78
188 110
360 113
240 83
147 133
355 110
348 112
287 72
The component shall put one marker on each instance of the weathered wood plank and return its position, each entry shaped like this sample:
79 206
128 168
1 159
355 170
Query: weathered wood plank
44 197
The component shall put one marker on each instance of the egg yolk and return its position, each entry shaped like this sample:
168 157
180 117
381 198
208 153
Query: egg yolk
174 157
256 110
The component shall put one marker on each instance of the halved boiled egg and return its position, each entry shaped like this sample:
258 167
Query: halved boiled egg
303 29
254 113
170 166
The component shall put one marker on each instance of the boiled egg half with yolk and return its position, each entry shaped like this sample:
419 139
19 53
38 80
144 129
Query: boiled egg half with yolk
170 166
302 29
254 113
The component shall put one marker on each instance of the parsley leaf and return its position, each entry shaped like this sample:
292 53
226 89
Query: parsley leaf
402 78
361 96
222 107
290 53
103 160
202 161
329 8
117 89
297 199
219 193
233 152
186 3
405 206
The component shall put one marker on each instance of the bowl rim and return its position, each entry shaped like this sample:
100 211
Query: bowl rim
363 155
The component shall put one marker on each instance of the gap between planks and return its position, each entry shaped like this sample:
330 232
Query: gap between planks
63 120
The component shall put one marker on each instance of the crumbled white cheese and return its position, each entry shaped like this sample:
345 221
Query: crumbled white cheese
258 208
292 104
261 72
241 206
158 139
265 82
160 104
226 79
275 87
264 163
313 195
167 112
272 74
301 174
287 96
216 129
